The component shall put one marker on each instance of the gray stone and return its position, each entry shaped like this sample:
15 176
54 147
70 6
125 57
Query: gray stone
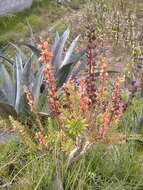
12 6
62 1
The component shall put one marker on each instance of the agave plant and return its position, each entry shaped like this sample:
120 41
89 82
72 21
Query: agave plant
12 81
66 63
63 61
18 72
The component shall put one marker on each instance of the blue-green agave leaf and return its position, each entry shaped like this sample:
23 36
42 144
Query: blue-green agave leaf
18 74
19 60
63 74
34 49
75 57
23 57
7 85
36 55
6 59
14 79
37 85
3 97
56 42
69 52
32 36
27 74
57 57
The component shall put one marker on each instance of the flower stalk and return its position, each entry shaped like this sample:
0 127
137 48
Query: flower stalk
117 106
66 91
90 80
84 102
45 58
32 107
103 75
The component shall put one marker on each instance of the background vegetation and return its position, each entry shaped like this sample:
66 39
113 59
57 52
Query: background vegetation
81 127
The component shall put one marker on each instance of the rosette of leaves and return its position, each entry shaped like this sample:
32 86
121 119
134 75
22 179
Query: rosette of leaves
19 71
76 127
64 61
14 74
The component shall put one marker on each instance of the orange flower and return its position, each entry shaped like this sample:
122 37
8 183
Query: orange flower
66 90
105 127
41 139
46 55
29 98
32 107
48 73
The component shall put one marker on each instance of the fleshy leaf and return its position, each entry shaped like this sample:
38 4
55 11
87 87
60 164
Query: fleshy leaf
37 85
69 52
7 87
34 49
3 97
62 75
27 74
18 74
54 48
57 57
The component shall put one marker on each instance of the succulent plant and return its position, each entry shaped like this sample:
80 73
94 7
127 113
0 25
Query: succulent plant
12 81
16 73
63 61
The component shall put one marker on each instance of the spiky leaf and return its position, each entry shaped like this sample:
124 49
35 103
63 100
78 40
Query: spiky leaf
69 52
56 42
37 85
57 57
7 87
18 74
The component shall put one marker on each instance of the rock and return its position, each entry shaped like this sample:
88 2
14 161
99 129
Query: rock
62 1
12 6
